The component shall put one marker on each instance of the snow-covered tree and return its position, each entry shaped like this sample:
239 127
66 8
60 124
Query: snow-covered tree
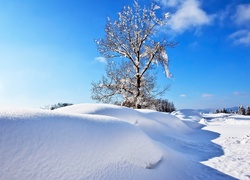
241 110
133 39
248 110
119 86
224 110
164 105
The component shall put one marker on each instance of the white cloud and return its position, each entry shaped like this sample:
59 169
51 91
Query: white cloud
188 15
241 37
204 95
170 3
242 14
101 59
237 93
241 18
183 95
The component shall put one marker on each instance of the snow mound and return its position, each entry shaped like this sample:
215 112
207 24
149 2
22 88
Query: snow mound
37 144
103 109
164 124
100 141
190 117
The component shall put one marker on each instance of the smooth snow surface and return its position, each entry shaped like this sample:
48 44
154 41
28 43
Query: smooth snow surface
100 141
235 140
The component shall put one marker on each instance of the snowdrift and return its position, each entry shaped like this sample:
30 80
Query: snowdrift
162 123
190 117
122 113
45 145
90 141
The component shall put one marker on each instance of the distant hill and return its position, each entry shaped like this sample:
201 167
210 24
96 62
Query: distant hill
234 109
207 110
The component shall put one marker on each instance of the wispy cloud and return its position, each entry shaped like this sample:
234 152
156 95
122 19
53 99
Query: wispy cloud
241 18
241 37
170 3
188 15
101 59
242 14
237 93
205 95
183 95
225 14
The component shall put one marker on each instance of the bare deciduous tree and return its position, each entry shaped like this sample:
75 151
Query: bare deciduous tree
132 36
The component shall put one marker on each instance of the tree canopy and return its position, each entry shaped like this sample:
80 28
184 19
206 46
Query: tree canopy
132 36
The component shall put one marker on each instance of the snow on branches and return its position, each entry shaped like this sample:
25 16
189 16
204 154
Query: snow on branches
133 36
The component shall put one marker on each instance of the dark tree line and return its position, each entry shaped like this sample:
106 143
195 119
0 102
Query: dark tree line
164 105
241 110
56 106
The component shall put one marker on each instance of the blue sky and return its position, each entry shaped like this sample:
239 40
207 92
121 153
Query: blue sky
48 54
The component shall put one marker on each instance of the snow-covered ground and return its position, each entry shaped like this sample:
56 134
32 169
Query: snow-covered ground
234 138
100 141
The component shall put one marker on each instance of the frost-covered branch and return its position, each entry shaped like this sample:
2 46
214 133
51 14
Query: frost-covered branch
133 37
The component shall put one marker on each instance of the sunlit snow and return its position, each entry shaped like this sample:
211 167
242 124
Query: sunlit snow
100 141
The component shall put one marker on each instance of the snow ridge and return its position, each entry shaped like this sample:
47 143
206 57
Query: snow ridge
100 141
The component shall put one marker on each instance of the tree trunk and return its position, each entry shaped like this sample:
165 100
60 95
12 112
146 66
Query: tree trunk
138 91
